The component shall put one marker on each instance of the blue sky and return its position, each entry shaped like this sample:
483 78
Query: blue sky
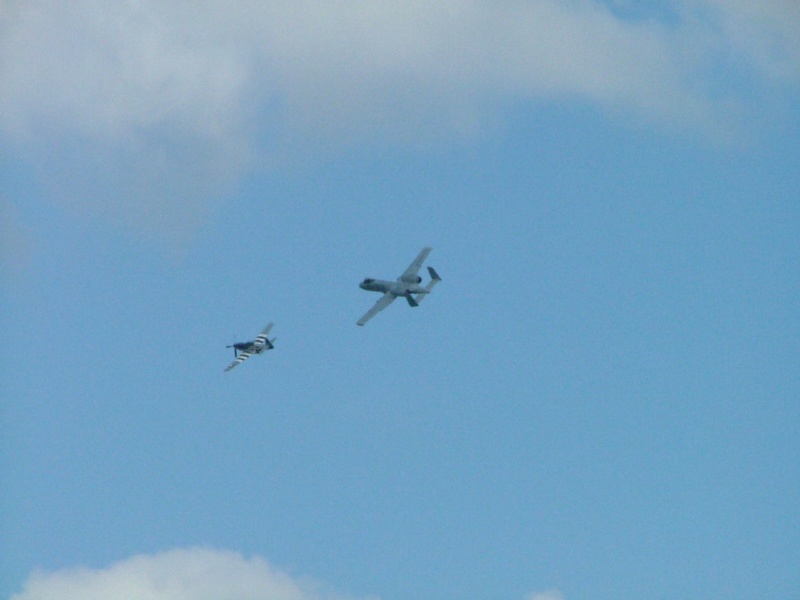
600 401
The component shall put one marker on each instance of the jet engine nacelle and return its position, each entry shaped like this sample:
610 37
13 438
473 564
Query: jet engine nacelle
412 279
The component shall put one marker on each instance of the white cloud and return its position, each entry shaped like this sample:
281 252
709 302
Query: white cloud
548 595
188 574
765 34
112 70
107 69
126 109
146 109
207 68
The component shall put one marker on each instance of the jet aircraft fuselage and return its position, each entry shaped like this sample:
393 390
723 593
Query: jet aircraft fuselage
406 286
395 288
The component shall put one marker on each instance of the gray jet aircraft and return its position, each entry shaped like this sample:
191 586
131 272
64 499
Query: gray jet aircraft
406 286
244 350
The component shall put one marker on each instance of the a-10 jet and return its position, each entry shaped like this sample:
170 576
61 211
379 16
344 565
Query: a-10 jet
244 350
406 286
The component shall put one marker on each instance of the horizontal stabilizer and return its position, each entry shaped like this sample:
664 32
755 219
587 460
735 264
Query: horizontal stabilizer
434 280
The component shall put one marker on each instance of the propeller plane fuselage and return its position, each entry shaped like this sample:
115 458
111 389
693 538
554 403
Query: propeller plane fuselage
244 350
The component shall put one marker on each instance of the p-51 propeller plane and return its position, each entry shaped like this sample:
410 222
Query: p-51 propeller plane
244 350
406 286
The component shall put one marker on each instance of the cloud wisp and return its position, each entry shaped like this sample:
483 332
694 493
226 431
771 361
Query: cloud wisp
146 110
548 595
183 574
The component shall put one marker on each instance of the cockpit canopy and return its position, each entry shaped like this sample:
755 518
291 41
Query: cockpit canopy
368 280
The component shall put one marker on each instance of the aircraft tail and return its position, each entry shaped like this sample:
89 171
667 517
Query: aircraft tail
434 280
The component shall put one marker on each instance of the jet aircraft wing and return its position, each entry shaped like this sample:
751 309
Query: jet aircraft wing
243 356
382 303
415 266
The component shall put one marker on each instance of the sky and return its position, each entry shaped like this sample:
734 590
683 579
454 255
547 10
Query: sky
601 400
